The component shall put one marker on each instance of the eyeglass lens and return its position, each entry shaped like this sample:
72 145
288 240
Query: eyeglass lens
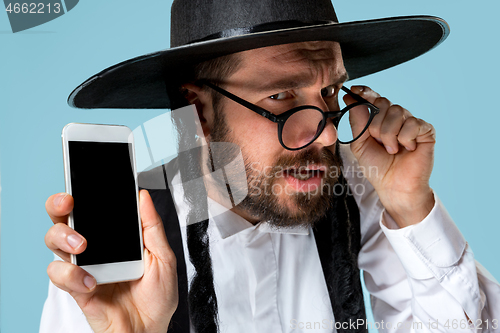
302 127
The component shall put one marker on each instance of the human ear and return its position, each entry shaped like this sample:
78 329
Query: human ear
202 100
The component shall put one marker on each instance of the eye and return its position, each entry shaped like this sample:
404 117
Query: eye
281 95
328 91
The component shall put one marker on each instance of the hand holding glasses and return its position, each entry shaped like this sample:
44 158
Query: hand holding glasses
300 126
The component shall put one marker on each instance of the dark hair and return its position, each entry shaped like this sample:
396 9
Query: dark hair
201 298
337 233
338 239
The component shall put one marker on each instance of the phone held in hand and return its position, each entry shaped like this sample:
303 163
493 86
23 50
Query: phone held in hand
100 173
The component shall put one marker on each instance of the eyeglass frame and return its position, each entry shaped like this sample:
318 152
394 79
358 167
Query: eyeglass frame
282 118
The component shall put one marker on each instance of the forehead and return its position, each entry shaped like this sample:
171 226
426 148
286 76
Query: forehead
309 60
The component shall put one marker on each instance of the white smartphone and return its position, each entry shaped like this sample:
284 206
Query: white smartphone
100 174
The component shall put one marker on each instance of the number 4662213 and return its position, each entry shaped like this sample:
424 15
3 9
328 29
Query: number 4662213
33 8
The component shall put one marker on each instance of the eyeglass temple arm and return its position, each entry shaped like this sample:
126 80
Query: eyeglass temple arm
253 107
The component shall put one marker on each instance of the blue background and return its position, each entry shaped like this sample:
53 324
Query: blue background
454 87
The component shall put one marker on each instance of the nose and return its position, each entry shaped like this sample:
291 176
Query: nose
329 135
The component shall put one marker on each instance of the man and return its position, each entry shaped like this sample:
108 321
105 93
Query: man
304 267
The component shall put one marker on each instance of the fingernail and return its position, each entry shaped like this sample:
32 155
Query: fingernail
357 89
59 199
390 150
74 241
89 282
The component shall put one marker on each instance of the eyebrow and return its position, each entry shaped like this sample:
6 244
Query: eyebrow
295 82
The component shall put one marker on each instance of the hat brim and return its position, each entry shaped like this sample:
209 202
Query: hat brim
367 47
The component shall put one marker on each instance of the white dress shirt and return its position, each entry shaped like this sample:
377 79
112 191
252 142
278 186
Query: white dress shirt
422 278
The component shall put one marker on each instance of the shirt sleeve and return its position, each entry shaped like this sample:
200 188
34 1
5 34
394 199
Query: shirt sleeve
421 278
61 314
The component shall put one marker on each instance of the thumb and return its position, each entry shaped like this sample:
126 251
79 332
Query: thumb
155 239
358 118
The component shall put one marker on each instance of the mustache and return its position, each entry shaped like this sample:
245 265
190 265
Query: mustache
321 162
307 159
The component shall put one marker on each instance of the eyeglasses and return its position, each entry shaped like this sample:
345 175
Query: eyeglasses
300 126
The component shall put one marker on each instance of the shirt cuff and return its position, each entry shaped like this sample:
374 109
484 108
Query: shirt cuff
427 249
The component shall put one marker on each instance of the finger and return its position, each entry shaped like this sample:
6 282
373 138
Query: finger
155 239
70 278
365 92
391 127
358 117
59 206
383 104
416 131
63 241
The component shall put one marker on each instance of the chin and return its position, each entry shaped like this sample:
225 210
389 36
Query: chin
301 209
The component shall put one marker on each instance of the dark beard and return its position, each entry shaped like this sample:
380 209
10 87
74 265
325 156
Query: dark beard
262 203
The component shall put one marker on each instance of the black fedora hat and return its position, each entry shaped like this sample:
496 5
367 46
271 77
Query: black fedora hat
206 29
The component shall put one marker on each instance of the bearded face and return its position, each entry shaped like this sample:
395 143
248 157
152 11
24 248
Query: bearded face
294 189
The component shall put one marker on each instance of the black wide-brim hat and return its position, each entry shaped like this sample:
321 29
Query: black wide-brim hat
206 29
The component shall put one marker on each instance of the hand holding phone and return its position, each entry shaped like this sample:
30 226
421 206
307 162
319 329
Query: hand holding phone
146 304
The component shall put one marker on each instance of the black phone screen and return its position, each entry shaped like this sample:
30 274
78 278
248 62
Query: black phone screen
105 210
